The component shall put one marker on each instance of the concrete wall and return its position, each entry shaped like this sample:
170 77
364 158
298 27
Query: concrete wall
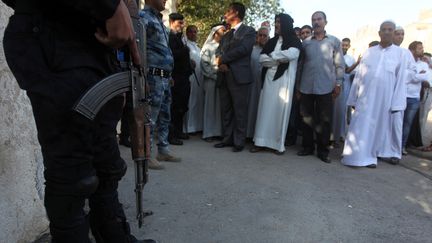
22 215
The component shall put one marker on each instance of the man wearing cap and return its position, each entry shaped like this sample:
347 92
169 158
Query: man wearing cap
180 89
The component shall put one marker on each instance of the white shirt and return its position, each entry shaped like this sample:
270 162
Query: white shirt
349 61
430 76
414 85
236 27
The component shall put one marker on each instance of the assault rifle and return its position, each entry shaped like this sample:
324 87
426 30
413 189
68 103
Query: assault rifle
133 80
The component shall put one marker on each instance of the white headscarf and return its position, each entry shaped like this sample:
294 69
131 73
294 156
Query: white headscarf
210 37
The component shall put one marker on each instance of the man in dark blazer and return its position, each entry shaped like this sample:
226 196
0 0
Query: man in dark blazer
234 77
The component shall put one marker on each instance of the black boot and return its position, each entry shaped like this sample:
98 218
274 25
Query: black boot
117 231
132 239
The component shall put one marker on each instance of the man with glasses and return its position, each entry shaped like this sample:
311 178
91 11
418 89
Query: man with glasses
261 40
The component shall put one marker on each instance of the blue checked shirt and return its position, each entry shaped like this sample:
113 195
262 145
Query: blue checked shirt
159 54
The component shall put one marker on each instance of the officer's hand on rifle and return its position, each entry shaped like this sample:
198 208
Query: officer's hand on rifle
119 32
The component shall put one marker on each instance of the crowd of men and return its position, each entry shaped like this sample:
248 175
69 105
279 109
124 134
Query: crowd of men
245 86
242 84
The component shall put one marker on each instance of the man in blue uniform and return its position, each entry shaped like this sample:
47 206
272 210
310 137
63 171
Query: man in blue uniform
160 66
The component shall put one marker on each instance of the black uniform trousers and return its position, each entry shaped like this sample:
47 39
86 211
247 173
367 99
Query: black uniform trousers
317 113
180 93
81 157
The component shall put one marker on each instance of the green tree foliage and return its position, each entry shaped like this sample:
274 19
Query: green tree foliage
261 10
205 13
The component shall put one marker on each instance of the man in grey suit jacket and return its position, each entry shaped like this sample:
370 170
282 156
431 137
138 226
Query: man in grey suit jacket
235 77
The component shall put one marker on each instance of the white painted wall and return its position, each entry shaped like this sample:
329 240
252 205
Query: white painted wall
21 180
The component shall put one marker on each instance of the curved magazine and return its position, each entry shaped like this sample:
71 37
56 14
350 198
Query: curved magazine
103 91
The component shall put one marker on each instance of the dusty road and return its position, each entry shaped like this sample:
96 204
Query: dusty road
215 195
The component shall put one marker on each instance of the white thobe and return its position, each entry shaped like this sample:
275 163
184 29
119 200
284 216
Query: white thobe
378 94
425 107
194 117
255 91
340 108
276 98
396 134
212 125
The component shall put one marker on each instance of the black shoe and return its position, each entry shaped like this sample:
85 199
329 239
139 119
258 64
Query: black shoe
324 158
222 145
125 142
183 136
289 143
394 161
278 152
333 145
237 148
256 149
372 166
305 152
133 239
175 141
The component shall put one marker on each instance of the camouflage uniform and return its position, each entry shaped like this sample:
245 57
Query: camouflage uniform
159 56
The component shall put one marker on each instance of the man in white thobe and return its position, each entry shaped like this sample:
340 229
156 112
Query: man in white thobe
426 106
212 120
261 39
279 59
378 93
340 112
194 117
396 135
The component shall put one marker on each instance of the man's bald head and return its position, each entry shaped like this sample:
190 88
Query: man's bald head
388 22
386 33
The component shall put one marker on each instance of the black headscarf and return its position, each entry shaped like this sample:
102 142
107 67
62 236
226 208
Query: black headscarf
289 39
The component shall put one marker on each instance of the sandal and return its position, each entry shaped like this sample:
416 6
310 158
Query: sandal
427 149
278 152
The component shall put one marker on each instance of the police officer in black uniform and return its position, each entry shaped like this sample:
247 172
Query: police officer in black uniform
57 49
182 70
